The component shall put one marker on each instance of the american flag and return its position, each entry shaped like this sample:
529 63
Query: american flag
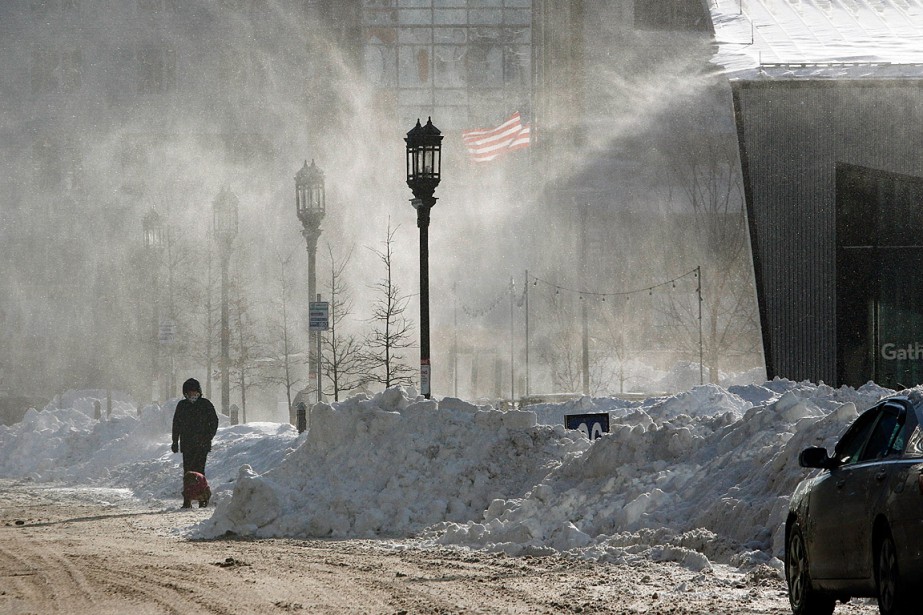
486 144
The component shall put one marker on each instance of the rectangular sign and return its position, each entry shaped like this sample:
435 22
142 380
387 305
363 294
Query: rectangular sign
425 377
167 332
592 425
318 316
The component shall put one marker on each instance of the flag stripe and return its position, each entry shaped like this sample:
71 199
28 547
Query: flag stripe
486 144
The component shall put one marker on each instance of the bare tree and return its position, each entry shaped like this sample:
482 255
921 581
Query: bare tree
390 327
198 311
245 341
709 176
345 362
280 369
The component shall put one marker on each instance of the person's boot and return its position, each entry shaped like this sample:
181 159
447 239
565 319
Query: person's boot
203 503
187 503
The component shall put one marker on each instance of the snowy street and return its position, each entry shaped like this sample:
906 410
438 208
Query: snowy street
83 551
679 509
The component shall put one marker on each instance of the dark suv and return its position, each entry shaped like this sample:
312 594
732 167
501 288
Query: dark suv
856 527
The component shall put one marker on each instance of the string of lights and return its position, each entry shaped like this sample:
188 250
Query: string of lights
624 293
600 296
477 313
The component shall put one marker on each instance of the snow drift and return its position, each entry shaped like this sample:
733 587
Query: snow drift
700 477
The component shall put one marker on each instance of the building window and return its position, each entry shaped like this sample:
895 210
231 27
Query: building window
456 59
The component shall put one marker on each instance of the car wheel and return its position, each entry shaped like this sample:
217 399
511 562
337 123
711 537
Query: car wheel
805 600
891 594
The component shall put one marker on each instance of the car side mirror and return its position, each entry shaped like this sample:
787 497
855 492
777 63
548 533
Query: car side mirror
814 457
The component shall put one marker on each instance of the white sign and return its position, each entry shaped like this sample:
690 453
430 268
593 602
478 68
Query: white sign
318 316
167 332
908 352
425 377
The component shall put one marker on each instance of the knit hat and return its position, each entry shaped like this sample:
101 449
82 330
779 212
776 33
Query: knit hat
192 385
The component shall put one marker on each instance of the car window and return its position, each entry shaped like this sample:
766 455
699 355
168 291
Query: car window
849 447
913 434
887 435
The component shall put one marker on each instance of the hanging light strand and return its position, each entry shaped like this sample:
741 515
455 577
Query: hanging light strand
623 293
484 311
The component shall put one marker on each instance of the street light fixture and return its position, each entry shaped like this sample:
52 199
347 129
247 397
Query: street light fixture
311 205
224 227
152 226
424 170
153 233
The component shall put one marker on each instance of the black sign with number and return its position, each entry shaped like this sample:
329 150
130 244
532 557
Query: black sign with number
592 425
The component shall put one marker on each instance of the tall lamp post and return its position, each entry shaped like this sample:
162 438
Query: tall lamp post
224 228
424 165
311 205
152 229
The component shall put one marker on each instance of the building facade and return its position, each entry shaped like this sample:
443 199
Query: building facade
831 171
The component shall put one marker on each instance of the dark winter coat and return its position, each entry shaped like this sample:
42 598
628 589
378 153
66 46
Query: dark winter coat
194 425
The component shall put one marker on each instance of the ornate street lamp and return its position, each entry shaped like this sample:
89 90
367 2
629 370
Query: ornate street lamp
310 206
224 228
153 232
152 227
424 170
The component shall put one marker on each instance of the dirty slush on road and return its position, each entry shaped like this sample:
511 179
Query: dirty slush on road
99 551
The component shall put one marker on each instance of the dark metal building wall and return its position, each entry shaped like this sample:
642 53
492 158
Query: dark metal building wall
791 136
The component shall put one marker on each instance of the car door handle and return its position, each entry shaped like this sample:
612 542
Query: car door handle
840 484
881 476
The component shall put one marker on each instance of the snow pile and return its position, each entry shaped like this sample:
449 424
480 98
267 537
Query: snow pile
393 464
713 481
130 449
700 477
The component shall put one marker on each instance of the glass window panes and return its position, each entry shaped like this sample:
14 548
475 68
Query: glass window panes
381 65
457 36
485 17
414 65
449 66
882 439
415 17
415 98
420 36
519 18
451 54
450 17
850 445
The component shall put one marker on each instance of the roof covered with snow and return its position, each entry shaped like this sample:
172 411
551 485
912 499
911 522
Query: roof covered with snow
766 39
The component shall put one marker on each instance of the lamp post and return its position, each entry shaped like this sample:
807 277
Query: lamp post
424 165
152 229
224 228
311 205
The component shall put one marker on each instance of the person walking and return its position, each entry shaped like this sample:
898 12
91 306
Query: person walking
194 425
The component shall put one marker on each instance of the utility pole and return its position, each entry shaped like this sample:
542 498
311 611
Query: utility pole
512 362
583 300
526 295
455 338
698 290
